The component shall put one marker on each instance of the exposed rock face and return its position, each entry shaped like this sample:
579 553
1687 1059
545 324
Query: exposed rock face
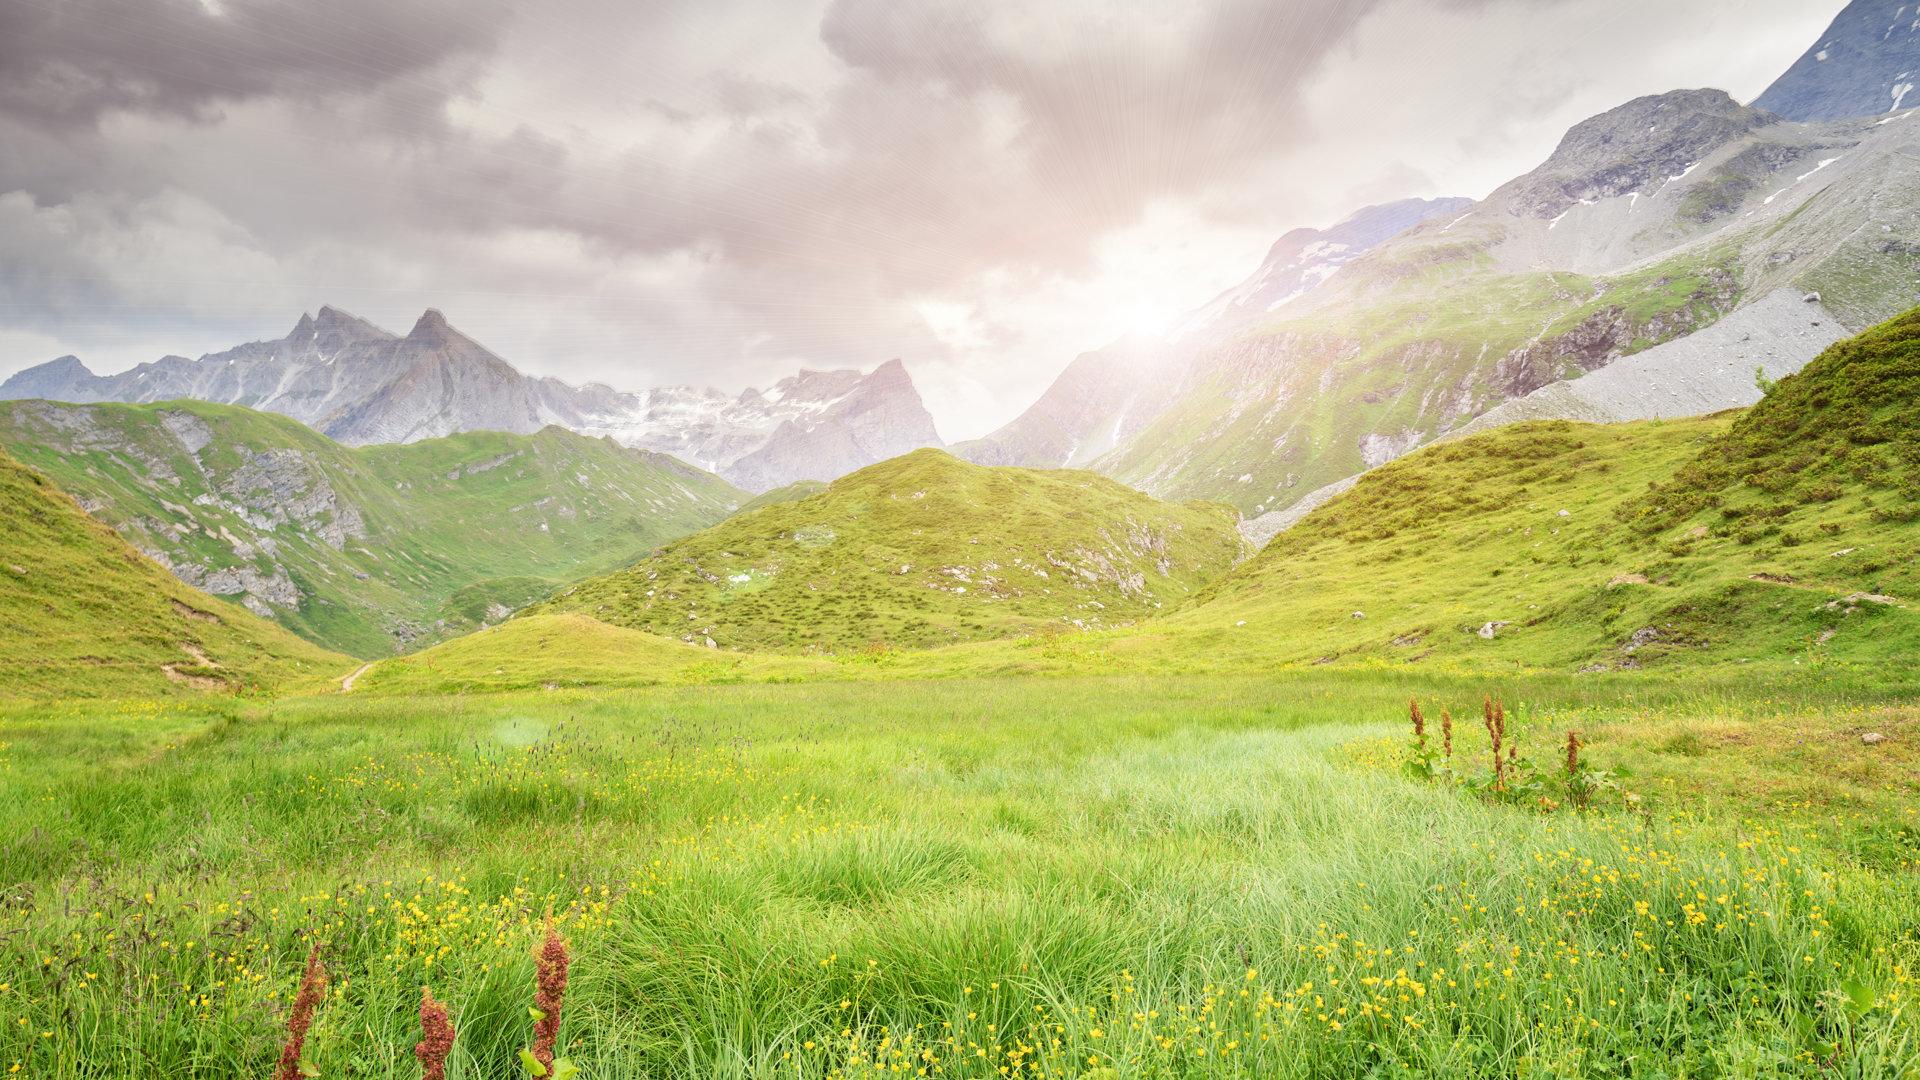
1704 372
816 425
1867 63
359 384
880 416
1632 148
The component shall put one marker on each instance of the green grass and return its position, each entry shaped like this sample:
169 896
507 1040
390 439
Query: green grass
84 615
918 551
1091 877
388 547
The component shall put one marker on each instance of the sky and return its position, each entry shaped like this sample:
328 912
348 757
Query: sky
718 192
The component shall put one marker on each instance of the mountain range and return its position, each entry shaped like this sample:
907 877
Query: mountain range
359 384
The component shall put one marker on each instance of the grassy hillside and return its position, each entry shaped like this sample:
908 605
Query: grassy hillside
368 550
1788 532
918 551
1425 337
1091 878
794 492
84 615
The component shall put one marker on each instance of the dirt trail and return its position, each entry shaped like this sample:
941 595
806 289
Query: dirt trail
346 684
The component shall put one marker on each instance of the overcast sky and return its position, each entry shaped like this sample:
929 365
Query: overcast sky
717 192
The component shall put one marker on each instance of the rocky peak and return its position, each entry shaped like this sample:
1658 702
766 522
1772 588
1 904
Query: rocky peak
64 379
1635 147
431 328
1866 64
331 330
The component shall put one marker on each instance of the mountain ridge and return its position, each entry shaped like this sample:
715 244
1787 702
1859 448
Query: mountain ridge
360 384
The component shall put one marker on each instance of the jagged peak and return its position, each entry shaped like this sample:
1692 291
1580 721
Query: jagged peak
431 326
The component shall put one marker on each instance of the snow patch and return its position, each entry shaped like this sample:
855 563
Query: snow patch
1900 93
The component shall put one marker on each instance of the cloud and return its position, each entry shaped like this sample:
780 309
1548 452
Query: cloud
714 191
68 62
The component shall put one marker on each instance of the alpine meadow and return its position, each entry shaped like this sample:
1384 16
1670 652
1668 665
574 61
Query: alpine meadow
914 605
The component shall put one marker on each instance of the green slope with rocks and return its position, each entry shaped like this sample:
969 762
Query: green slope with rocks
1783 533
919 551
82 614
368 550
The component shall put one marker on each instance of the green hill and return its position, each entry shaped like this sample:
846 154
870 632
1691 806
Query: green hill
1784 533
919 551
794 492
84 615
368 550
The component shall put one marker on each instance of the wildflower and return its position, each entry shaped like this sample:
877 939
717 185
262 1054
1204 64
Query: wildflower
436 1037
1446 733
1496 721
313 988
550 986
1419 725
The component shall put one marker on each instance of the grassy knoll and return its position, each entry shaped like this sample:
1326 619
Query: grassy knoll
918 551
82 614
1088 877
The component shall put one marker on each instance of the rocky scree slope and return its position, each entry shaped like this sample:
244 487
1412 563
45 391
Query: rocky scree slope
82 614
359 384
367 550
919 551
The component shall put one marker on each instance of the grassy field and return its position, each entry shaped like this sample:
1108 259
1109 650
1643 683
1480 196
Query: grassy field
1069 877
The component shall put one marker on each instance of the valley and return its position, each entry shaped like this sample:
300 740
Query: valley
1476 644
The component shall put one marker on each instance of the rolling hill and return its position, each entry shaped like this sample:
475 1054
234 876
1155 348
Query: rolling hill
82 614
367 550
919 551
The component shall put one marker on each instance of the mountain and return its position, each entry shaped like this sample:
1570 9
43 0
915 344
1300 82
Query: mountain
1648 223
359 384
1866 64
1107 396
817 425
921 550
82 614
366 550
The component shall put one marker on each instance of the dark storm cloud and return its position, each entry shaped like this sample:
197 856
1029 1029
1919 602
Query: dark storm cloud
67 62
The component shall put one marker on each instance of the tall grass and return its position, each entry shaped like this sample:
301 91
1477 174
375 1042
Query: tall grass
1103 877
